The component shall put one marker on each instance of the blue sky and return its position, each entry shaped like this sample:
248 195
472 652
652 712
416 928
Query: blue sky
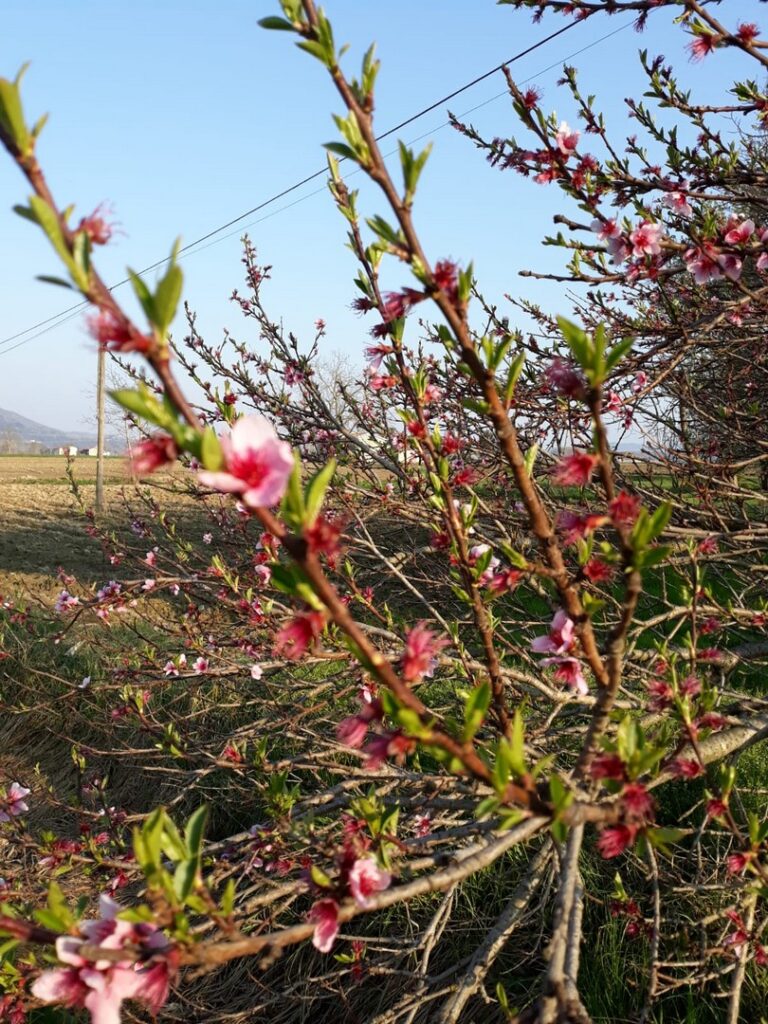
184 115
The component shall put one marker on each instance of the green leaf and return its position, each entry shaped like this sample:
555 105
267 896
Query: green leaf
211 454
228 898
11 112
168 293
315 492
184 878
514 374
517 745
278 24
617 353
476 709
293 502
194 829
144 295
48 279
49 222
487 807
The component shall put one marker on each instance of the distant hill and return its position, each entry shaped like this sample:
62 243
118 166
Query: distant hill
14 426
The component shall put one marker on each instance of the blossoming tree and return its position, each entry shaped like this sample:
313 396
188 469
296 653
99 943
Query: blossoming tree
470 640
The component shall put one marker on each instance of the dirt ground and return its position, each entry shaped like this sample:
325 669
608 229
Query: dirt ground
42 527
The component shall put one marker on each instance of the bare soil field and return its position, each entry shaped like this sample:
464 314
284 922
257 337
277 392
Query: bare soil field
42 526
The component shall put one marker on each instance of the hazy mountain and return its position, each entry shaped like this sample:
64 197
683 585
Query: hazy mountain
14 426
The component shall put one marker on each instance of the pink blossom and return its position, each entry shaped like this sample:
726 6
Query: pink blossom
575 470
101 986
293 639
200 665
686 768
641 379
624 509
703 263
568 671
638 802
574 526
597 571
325 915
703 44
504 581
65 602
152 453
614 402
646 239
366 878
737 862
352 731
606 229
256 671
615 839
257 463
678 203
263 574
560 638
422 645
564 378
13 804
747 31
95 225
566 139
608 766
117 334
738 234
731 265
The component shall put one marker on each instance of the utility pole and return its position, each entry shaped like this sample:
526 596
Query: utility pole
100 370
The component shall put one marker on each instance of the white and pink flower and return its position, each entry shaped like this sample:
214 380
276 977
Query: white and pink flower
102 986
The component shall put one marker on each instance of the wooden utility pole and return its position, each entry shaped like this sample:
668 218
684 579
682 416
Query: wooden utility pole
100 430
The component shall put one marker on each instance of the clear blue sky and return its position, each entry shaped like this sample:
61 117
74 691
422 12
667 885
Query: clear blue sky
184 115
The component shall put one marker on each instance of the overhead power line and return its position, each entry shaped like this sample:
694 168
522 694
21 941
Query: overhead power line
65 315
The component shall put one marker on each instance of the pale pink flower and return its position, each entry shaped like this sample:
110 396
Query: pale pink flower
101 986
678 203
567 139
263 574
13 804
560 638
256 671
352 731
613 403
731 265
200 665
641 379
325 915
703 264
606 229
257 463
366 878
646 239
